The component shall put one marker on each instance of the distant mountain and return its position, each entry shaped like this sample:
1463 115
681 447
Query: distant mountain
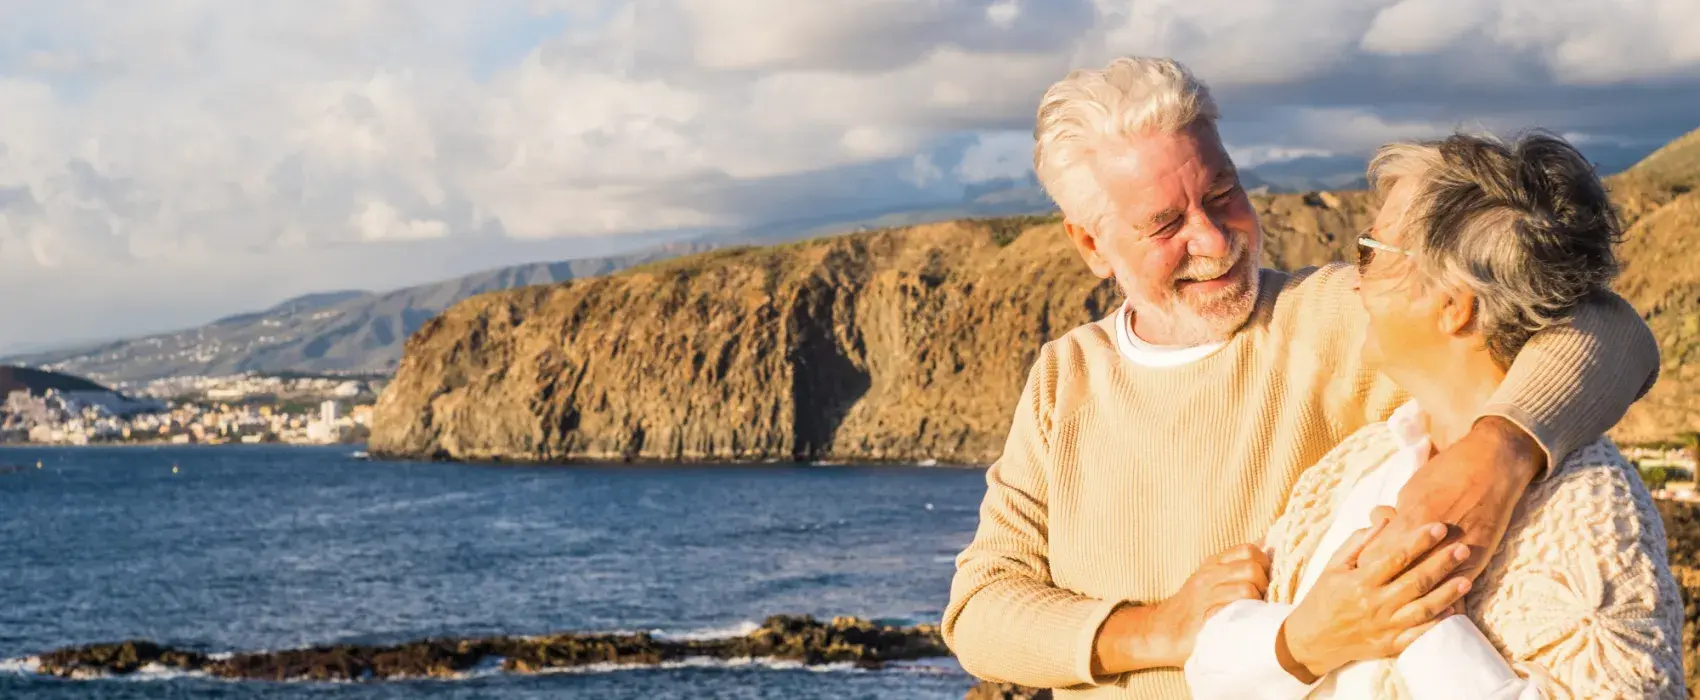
362 332
1346 172
1311 174
356 332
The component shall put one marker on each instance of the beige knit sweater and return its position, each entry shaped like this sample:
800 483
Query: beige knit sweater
1117 480
1578 597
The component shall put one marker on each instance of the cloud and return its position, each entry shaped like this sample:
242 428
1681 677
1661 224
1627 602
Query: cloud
997 155
198 134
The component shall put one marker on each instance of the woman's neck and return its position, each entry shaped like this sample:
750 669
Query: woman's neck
1454 395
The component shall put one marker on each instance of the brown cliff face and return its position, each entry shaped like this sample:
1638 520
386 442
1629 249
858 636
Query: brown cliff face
905 344
1661 277
901 345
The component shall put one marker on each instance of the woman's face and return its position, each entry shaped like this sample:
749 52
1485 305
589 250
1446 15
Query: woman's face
1404 323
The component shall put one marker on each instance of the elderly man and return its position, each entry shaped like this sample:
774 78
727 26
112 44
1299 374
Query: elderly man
1149 447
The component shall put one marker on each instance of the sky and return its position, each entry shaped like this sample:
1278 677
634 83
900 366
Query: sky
166 162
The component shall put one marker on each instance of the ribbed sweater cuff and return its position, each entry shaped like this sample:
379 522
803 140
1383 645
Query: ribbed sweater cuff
1091 616
1522 419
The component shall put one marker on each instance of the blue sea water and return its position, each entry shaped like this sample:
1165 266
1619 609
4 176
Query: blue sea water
258 547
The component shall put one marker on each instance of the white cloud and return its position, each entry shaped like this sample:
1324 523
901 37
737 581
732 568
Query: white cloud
175 136
380 222
1422 26
1254 156
998 155
923 171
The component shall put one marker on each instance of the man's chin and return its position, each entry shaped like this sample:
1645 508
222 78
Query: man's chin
1224 311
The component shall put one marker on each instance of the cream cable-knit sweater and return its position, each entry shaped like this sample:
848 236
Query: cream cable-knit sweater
1579 595
1117 480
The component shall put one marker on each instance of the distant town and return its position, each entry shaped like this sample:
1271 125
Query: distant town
48 409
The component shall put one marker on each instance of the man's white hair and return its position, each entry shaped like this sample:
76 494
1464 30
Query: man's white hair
1091 109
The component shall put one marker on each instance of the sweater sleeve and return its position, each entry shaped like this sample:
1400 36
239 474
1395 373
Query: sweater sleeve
1570 383
1581 600
1573 382
1006 620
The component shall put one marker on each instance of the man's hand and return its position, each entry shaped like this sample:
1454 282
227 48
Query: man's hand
1474 485
1136 638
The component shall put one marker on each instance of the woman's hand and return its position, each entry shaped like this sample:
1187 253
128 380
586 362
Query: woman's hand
1373 610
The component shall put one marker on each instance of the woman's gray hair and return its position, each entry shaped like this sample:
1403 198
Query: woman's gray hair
1526 226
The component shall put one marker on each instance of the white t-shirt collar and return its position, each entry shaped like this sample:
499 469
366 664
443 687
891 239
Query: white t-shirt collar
1149 355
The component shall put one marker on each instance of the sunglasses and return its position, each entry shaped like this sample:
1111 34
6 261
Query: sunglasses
1366 251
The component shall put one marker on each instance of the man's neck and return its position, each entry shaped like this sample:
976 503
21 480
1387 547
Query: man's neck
1163 333
1454 393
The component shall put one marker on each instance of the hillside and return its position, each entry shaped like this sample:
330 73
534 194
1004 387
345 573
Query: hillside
362 332
37 382
1661 207
349 331
899 344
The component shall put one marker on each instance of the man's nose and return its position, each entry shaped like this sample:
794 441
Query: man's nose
1207 239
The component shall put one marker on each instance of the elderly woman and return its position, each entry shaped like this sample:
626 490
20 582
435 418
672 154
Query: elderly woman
1478 245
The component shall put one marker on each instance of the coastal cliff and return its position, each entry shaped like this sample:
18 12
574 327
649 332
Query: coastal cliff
907 344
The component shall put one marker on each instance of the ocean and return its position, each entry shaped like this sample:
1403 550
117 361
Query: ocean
264 548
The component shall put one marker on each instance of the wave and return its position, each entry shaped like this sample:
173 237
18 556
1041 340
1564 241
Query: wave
740 629
492 667
28 665
707 662
153 672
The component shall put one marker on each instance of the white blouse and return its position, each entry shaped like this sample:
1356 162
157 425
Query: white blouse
1234 656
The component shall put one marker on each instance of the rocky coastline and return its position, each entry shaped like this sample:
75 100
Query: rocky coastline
894 346
898 345
800 639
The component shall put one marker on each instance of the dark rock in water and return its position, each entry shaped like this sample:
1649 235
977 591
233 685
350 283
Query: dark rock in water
845 639
801 639
568 650
987 690
431 658
119 658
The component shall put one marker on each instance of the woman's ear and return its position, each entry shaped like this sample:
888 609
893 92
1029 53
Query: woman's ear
1087 243
1458 314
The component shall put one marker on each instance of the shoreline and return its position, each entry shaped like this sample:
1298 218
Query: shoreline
899 464
800 639
167 443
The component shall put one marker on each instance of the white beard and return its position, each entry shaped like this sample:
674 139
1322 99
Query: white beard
1188 322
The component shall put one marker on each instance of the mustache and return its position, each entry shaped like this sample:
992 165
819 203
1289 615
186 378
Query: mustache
1196 268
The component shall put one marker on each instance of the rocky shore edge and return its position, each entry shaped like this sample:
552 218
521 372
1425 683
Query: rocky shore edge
782 637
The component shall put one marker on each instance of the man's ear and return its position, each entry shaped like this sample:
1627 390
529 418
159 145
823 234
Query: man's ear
1086 242
1458 313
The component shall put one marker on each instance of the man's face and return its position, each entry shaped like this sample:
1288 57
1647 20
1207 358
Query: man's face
1184 241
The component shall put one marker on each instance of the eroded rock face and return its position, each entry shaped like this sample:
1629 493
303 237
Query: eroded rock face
899 345
802 639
